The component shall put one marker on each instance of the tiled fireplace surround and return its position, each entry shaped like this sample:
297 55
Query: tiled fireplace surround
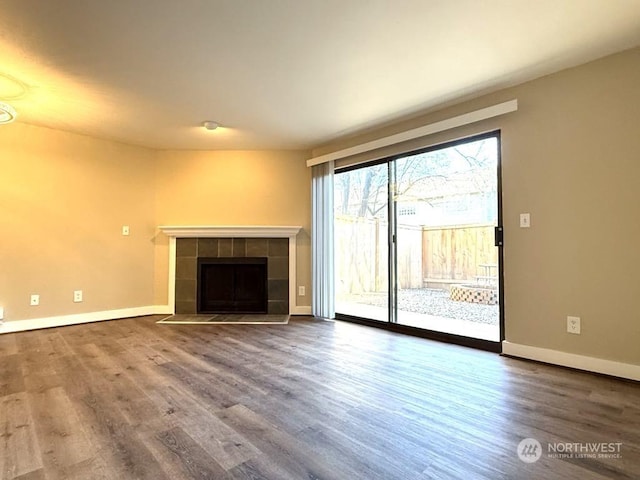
188 250
277 244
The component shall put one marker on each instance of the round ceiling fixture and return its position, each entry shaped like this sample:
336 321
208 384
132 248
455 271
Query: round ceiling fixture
210 125
7 113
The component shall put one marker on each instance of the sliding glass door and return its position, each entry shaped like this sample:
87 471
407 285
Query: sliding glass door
361 233
446 211
415 240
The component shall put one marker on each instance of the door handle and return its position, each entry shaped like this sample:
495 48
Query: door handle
498 233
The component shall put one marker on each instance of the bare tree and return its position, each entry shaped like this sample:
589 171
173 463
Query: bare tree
364 192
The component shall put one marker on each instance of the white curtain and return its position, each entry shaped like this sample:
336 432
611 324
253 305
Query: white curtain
323 299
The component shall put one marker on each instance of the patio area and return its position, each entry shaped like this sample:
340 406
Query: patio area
427 308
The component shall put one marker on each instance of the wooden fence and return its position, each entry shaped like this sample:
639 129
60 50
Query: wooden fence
458 254
427 256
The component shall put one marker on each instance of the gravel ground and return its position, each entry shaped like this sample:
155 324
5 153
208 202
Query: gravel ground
433 301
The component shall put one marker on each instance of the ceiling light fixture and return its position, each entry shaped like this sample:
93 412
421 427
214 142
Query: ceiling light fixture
7 113
209 125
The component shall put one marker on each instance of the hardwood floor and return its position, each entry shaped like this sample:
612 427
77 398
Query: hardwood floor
130 399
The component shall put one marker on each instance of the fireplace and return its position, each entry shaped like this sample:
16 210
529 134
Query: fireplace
277 243
192 254
232 285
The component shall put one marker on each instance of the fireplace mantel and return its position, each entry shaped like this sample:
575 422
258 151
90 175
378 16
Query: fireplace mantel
235 231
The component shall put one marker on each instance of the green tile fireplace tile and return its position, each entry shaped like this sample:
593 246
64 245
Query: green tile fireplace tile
208 247
277 307
278 247
186 247
186 268
257 247
278 290
278 268
185 290
186 307
239 248
225 247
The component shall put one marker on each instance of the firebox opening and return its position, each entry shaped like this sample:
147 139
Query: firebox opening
232 285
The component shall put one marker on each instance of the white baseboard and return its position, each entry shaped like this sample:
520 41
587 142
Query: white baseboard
298 310
580 362
63 320
162 310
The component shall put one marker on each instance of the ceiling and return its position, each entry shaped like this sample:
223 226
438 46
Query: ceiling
287 74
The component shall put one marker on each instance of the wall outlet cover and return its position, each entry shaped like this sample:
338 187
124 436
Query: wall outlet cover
573 325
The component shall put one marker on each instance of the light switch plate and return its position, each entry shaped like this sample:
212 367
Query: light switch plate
525 220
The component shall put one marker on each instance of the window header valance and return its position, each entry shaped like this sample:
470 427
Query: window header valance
432 128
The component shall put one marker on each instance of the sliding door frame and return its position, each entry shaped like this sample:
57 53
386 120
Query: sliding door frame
391 324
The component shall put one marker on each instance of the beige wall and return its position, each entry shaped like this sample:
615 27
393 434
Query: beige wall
64 198
571 157
63 201
233 188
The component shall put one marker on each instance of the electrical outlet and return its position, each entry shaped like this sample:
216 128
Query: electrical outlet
77 296
573 325
525 220
35 300
302 291
125 230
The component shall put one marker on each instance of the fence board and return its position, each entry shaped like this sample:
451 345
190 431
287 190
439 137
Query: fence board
434 254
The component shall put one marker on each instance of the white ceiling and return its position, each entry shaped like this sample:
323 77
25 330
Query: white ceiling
290 74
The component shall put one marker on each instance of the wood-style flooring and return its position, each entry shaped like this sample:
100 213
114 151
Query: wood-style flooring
130 399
